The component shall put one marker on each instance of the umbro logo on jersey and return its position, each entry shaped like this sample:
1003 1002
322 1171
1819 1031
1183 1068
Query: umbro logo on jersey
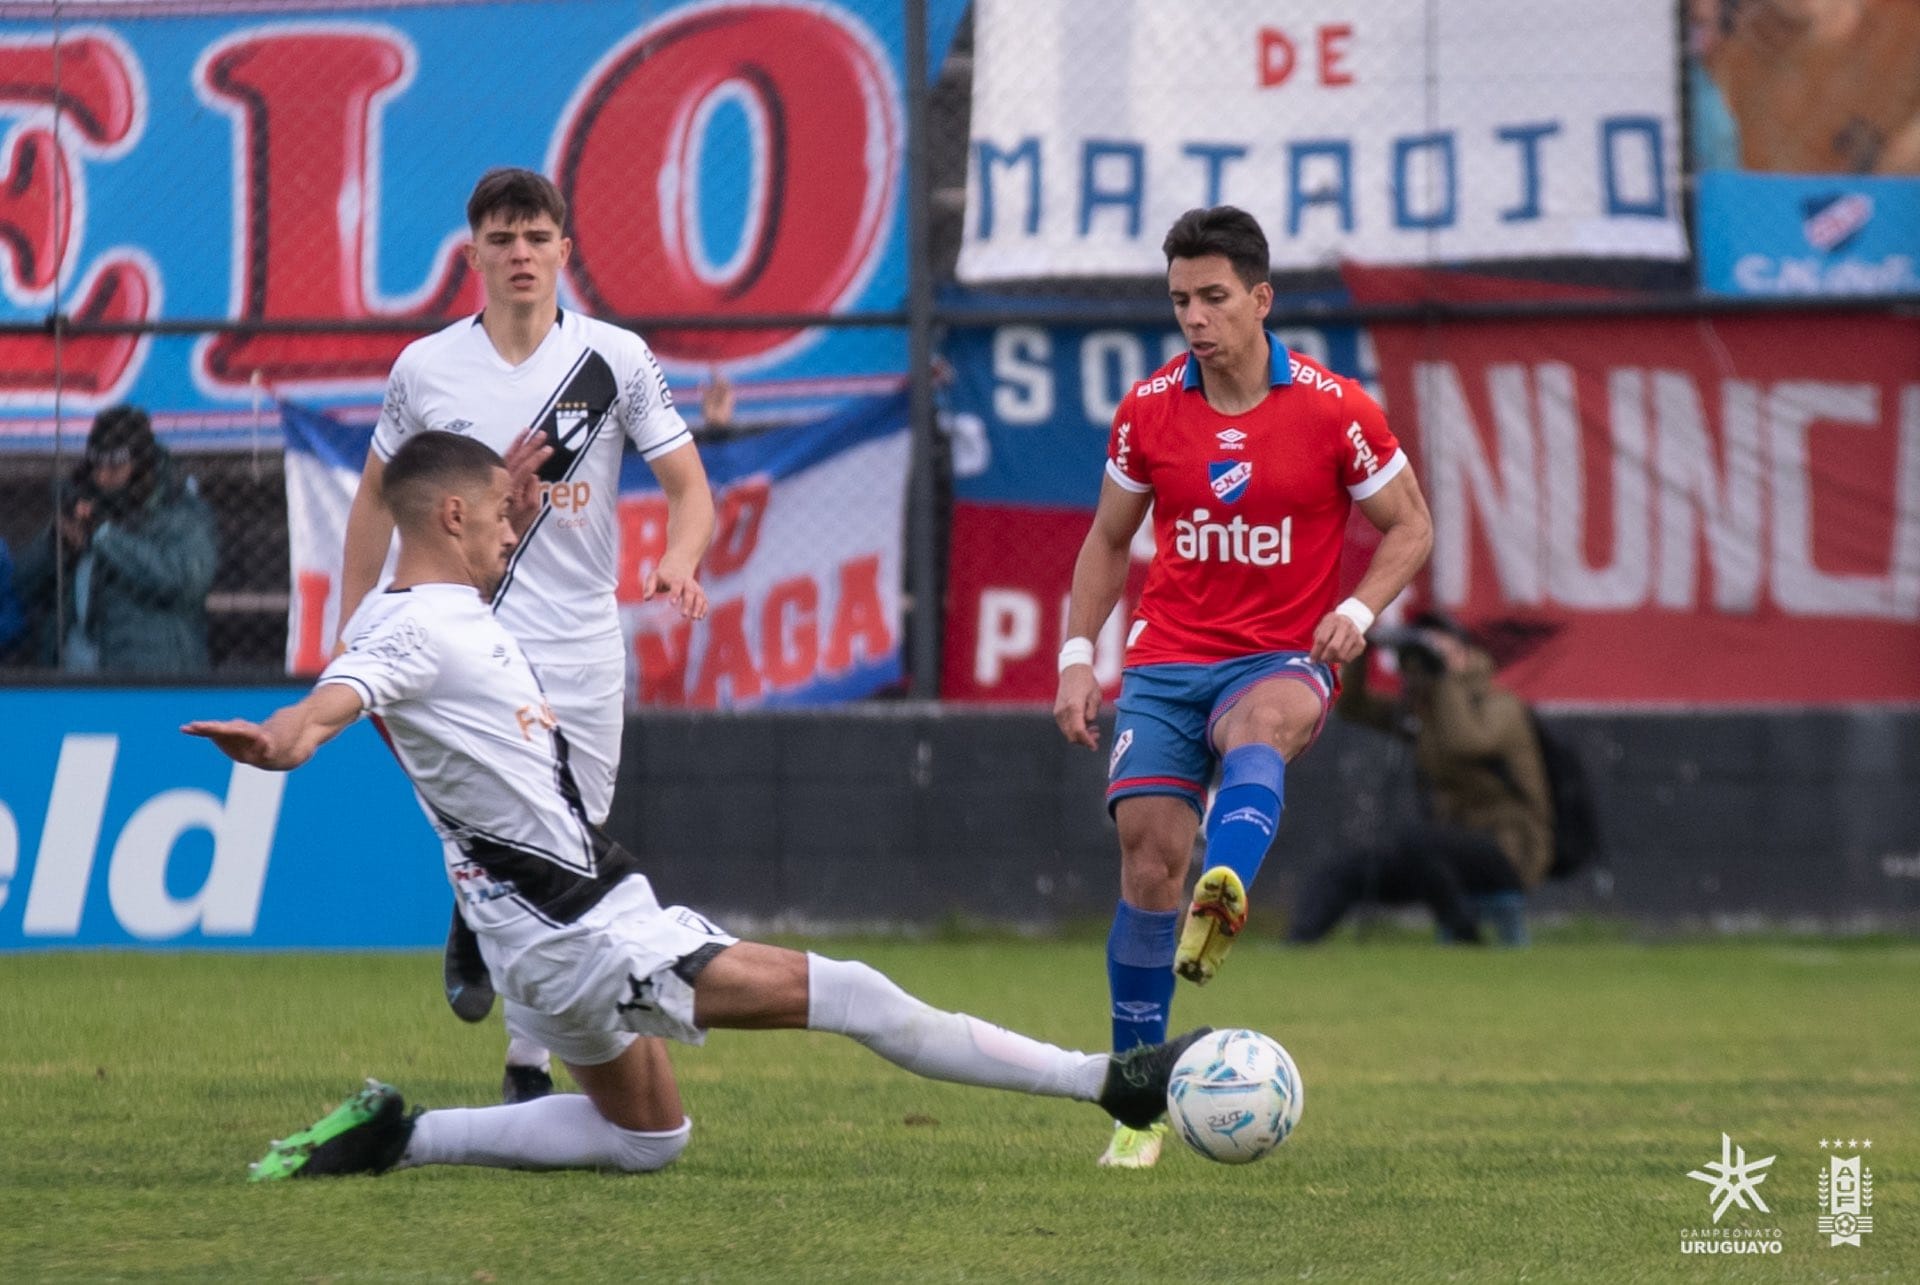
462 426
1231 439
1229 479
569 418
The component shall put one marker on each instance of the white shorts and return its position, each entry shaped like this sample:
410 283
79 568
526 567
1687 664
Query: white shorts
591 703
586 990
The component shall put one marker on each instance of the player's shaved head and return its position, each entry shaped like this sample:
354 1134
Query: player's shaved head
430 466
1227 231
515 195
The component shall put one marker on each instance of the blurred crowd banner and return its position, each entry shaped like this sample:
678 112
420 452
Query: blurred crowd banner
1702 510
116 830
310 162
803 577
1372 130
1806 138
1028 417
1673 511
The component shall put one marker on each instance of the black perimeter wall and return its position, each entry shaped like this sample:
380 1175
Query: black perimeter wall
916 813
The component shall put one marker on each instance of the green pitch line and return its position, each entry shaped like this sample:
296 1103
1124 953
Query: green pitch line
1471 1115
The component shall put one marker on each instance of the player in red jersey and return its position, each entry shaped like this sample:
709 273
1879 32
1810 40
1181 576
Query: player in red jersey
1250 458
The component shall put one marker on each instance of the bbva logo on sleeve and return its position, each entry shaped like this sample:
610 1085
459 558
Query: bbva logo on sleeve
66 860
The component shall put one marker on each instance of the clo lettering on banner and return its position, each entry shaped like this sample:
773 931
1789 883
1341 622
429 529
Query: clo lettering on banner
305 108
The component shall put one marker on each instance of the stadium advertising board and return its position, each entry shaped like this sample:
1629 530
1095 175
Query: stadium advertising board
1805 135
1779 234
116 830
803 576
1373 130
1692 510
311 162
1028 416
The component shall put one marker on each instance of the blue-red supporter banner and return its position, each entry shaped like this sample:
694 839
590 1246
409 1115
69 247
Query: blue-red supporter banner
310 162
803 577
1028 415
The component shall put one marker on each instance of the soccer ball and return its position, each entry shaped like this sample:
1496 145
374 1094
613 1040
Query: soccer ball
1235 1096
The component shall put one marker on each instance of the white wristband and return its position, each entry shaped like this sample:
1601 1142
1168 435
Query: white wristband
1076 651
1358 612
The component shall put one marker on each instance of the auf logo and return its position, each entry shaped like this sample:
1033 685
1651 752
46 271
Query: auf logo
1229 479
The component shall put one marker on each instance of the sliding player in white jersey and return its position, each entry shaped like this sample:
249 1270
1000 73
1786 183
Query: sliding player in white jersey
589 963
560 395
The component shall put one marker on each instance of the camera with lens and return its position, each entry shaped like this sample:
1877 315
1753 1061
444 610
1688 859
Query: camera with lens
1414 648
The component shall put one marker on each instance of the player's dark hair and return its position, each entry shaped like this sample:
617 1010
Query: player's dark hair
1225 230
515 195
428 466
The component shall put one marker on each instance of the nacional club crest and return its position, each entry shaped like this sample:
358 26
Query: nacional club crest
1846 1194
1831 223
1229 479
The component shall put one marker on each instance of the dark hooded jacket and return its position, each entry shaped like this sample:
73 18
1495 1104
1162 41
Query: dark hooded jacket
1478 759
153 561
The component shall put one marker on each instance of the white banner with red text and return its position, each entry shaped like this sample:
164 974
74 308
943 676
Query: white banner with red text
1373 130
803 577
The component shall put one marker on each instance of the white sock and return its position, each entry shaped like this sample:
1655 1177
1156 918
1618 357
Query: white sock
522 1052
560 1131
849 998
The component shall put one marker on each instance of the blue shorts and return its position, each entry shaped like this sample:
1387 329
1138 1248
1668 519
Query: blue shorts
1163 736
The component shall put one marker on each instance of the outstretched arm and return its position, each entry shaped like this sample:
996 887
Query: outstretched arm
290 736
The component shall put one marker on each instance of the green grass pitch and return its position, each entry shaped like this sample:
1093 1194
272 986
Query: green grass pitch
1470 1115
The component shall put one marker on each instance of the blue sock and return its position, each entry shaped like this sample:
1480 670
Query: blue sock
1140 973
1246 810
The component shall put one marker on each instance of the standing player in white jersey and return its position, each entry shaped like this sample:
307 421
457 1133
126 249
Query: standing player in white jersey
560 395
589 963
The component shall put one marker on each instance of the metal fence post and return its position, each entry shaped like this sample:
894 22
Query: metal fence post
923 569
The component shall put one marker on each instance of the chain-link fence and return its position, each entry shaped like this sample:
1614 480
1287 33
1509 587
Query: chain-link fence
219 213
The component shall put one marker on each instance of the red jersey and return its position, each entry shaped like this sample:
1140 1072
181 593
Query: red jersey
1249 511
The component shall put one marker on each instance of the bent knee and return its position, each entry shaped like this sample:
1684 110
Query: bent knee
640 1152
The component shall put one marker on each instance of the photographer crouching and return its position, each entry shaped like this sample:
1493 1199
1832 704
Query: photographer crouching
118 581
1487 832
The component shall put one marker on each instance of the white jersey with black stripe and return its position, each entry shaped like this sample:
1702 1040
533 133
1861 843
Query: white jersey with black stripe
590 387
457 701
